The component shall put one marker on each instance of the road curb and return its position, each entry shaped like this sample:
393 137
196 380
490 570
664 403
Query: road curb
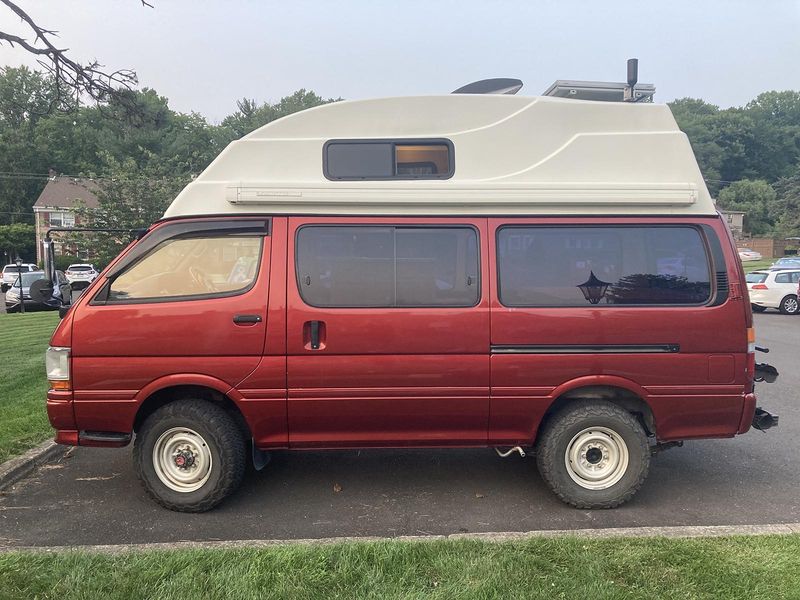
703 531
16 468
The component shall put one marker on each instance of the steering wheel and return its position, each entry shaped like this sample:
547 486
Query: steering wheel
202 280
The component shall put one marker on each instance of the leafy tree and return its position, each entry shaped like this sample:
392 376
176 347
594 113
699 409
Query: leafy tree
16 240
130 197
787 206
251 116
756 199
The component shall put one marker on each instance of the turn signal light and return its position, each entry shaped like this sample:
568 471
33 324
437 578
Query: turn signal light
60 385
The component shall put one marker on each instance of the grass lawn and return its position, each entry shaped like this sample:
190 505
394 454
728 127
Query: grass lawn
729 568
758 264
23 387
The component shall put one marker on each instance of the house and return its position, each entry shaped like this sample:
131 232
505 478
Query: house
56 207
735 220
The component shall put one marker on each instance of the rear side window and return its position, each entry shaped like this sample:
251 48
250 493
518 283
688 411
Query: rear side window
756 277
388 159
790 277
186 267
366 266
582 266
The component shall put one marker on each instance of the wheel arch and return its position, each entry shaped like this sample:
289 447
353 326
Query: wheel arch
617 390
175 387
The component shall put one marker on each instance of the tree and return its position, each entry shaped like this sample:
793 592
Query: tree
16 240
756 199
130 197
787 206
251 116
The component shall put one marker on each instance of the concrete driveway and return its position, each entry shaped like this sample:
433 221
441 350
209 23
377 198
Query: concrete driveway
93 496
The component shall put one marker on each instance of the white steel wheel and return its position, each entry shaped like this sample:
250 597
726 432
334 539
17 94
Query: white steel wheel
596 458
182 459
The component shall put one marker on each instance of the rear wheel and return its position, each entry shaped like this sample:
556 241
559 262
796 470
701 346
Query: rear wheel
757 308
789 305
189 455
593 455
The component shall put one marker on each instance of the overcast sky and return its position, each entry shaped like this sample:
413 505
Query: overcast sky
205 54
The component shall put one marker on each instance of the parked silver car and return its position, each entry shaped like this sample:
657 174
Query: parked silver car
13 293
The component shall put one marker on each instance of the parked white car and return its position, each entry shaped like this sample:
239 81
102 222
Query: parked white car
81 273
774 289
747 255
11 273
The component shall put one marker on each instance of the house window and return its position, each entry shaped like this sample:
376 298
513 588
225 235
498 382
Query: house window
62 219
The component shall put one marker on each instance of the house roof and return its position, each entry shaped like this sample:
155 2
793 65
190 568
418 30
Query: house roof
65 192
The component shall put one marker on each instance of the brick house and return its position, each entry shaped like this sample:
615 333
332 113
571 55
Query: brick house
55 207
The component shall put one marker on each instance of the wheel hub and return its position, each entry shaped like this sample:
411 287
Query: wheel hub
182 459
596 458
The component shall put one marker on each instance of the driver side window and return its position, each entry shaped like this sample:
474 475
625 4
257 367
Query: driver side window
186 267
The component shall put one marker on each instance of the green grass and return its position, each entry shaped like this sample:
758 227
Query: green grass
729 568
755 265
23 386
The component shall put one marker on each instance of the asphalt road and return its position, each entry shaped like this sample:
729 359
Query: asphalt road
93 497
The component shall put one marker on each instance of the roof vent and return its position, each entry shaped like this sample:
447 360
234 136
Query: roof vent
499 85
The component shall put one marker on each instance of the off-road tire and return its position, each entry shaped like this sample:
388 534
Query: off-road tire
559 431
224 440
789 305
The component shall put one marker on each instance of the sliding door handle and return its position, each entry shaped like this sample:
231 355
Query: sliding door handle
247 319
315 335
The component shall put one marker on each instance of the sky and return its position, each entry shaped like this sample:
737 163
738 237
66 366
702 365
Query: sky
205 54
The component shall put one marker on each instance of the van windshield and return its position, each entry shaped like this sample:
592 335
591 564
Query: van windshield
756 277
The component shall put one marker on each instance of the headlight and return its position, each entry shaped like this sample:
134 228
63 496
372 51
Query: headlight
57 364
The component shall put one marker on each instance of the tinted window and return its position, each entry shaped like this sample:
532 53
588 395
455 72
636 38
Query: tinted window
579 266
782 278
79 268
756 277
355 266
191 267
388 159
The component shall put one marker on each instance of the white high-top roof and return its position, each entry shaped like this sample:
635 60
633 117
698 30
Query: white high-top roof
514 155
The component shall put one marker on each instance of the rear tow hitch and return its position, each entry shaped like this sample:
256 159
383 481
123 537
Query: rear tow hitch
762 420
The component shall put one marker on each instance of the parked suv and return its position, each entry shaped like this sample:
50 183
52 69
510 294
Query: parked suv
774 289
12 271
80 275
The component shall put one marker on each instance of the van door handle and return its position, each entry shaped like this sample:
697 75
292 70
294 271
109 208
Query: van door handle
246 319
314 325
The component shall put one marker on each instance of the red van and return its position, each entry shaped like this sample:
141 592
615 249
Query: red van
535 274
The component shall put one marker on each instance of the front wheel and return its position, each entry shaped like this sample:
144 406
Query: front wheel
593 455
189 455
789 305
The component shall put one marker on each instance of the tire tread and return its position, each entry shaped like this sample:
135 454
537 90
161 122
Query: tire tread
227 435
547 460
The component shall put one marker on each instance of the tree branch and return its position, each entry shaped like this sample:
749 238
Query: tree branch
71 77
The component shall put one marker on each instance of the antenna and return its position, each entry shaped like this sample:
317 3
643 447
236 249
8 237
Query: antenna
633 78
